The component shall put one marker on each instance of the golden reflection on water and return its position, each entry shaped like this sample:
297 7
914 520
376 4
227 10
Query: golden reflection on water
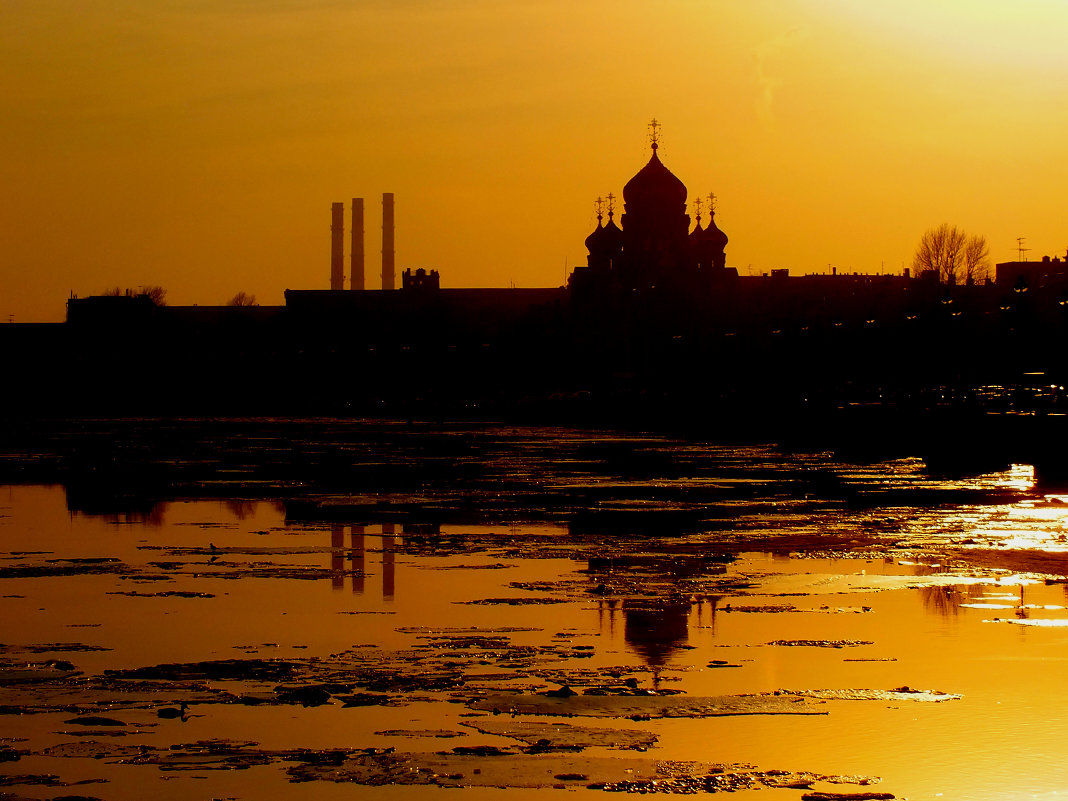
890 622
1031 523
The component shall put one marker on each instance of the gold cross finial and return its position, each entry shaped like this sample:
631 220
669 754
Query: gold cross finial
599 203
654 133
712 202
697 207
611 204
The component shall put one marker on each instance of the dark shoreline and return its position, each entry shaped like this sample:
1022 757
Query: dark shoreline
333 469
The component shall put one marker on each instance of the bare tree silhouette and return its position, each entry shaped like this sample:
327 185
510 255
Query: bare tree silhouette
156 294
976 260
941 250
955 256
242 299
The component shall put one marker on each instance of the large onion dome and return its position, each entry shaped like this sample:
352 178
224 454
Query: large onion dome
655 184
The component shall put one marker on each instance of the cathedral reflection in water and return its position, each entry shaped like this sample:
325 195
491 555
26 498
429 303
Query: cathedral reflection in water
655 625
655 629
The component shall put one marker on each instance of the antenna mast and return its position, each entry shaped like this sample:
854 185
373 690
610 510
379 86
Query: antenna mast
1020 249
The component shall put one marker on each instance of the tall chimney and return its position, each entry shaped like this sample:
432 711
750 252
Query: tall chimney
337 245
387 240
356 281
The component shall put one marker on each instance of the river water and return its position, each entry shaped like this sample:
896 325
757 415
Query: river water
883 629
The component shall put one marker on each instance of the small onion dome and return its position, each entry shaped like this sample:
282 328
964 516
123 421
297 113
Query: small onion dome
605 238
655 184
612 235
593 241
698 234
713 234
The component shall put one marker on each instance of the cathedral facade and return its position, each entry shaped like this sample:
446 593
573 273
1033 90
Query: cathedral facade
653 248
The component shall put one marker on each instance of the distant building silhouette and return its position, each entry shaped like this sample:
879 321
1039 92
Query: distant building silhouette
420 279
1046 274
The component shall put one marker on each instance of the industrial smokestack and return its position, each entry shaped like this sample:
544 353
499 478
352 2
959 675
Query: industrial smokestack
337 245
387 241
357 244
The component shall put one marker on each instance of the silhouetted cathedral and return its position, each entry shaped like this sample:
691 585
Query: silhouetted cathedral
654 249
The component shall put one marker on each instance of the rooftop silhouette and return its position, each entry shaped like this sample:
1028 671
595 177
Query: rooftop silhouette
655 329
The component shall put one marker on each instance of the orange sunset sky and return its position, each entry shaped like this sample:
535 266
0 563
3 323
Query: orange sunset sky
198 144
